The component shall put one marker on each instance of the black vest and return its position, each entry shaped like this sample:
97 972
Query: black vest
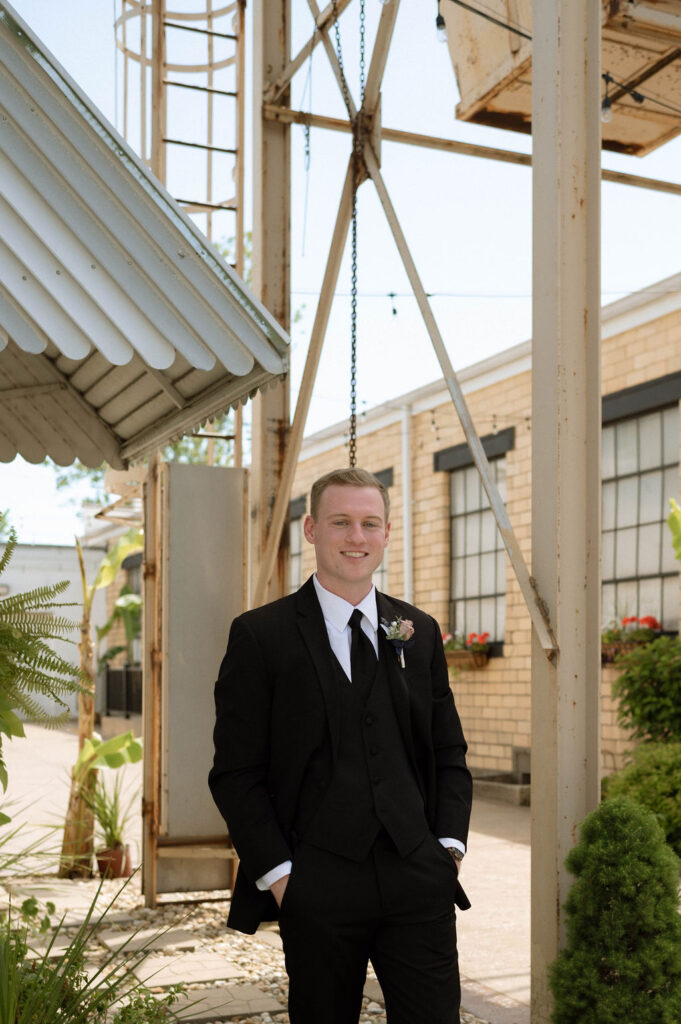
372 782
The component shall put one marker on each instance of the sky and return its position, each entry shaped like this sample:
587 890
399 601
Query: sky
467 221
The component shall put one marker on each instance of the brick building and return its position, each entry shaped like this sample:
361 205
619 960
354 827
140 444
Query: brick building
452 557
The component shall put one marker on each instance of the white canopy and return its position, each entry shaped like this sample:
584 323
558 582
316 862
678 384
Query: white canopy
120 326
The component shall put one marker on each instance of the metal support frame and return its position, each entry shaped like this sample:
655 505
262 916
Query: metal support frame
271 283
371 110
566 421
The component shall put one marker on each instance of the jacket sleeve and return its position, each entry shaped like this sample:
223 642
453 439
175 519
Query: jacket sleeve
238 779
453 783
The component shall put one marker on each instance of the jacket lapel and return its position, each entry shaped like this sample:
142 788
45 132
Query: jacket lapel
398 677
313 630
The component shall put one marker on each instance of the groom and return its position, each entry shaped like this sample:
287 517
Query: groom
340 770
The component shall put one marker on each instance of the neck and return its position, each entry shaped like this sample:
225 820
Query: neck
353 594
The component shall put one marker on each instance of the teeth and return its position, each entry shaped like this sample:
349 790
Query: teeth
354 554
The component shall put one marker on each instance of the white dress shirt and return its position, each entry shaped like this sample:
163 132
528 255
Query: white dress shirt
337 611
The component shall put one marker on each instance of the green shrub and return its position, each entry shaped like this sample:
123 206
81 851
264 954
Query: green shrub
649 690
622 960
653 779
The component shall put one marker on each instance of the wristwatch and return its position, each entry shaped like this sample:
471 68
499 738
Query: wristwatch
455 854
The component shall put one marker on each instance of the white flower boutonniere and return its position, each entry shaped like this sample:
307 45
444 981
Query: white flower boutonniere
400 633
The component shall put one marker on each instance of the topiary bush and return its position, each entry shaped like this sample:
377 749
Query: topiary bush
622 961
648 690
653 779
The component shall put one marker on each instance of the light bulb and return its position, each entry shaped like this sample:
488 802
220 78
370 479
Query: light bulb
606 110
441 29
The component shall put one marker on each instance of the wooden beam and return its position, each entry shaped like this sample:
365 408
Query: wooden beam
532 599
336 124
275 90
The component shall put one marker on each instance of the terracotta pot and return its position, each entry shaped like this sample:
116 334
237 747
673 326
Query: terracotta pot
114 862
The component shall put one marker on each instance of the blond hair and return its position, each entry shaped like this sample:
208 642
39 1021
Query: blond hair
347 478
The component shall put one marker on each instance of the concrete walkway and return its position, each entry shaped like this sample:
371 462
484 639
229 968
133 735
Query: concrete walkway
494 941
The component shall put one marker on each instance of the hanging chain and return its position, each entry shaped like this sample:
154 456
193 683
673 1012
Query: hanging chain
357 123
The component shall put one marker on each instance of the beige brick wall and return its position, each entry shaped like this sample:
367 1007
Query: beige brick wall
494 702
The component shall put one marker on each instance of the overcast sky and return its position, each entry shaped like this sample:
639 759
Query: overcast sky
467 221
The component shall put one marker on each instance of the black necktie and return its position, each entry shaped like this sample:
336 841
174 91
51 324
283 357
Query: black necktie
362 655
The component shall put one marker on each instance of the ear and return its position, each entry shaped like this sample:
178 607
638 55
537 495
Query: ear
308 529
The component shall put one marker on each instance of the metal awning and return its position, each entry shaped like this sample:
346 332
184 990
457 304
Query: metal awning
121 327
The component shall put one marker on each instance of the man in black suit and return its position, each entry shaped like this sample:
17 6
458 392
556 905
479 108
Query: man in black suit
340 771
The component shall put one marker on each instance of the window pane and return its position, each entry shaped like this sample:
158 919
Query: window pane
649 598
487 616
472 489
501 571
670 488
488 531
625 553
627 455
499 466
649 549
608 452
471 618
609 492
458 581
626 600
650 497
669 562
627 501
458 535
608 611
670 435
473 533
608 556
650 440
670 603
458 491
501 619
487 573
471 586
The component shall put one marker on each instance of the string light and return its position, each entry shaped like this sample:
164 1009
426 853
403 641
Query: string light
440 26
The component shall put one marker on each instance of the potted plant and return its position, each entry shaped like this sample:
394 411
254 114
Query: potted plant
469 653
111 817
630 632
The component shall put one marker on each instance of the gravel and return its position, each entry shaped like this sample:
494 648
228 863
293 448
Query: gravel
258 957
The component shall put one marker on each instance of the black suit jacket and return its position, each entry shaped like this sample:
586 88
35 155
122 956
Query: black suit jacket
277 712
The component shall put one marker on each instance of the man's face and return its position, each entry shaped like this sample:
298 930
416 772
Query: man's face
349 535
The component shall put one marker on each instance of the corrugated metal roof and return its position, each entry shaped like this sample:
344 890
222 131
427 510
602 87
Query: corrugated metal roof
120 326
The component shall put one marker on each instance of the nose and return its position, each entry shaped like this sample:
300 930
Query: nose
356 532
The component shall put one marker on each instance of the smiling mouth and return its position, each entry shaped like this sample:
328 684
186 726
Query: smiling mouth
354 554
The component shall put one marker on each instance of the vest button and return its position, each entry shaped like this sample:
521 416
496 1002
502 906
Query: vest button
369 720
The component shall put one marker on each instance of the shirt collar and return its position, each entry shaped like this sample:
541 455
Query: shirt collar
337 610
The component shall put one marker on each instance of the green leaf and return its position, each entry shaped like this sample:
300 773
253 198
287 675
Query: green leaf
4 818
11 724
131 542
674 524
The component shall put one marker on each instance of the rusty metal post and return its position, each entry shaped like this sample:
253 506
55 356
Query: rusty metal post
158 89
271 273
566 404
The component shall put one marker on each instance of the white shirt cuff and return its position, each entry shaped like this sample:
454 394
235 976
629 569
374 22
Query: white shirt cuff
270 877
453 843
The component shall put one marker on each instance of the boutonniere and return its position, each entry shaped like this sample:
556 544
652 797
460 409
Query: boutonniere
400 633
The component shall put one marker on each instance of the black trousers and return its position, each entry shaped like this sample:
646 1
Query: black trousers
396 912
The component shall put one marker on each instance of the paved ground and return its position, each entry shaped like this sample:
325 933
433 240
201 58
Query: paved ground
493 935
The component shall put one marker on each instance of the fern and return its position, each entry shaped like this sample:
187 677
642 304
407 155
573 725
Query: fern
29 668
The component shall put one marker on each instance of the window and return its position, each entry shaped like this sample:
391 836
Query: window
296 514
640 474
478 570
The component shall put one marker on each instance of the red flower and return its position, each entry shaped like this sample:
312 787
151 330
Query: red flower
649 622
628 619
